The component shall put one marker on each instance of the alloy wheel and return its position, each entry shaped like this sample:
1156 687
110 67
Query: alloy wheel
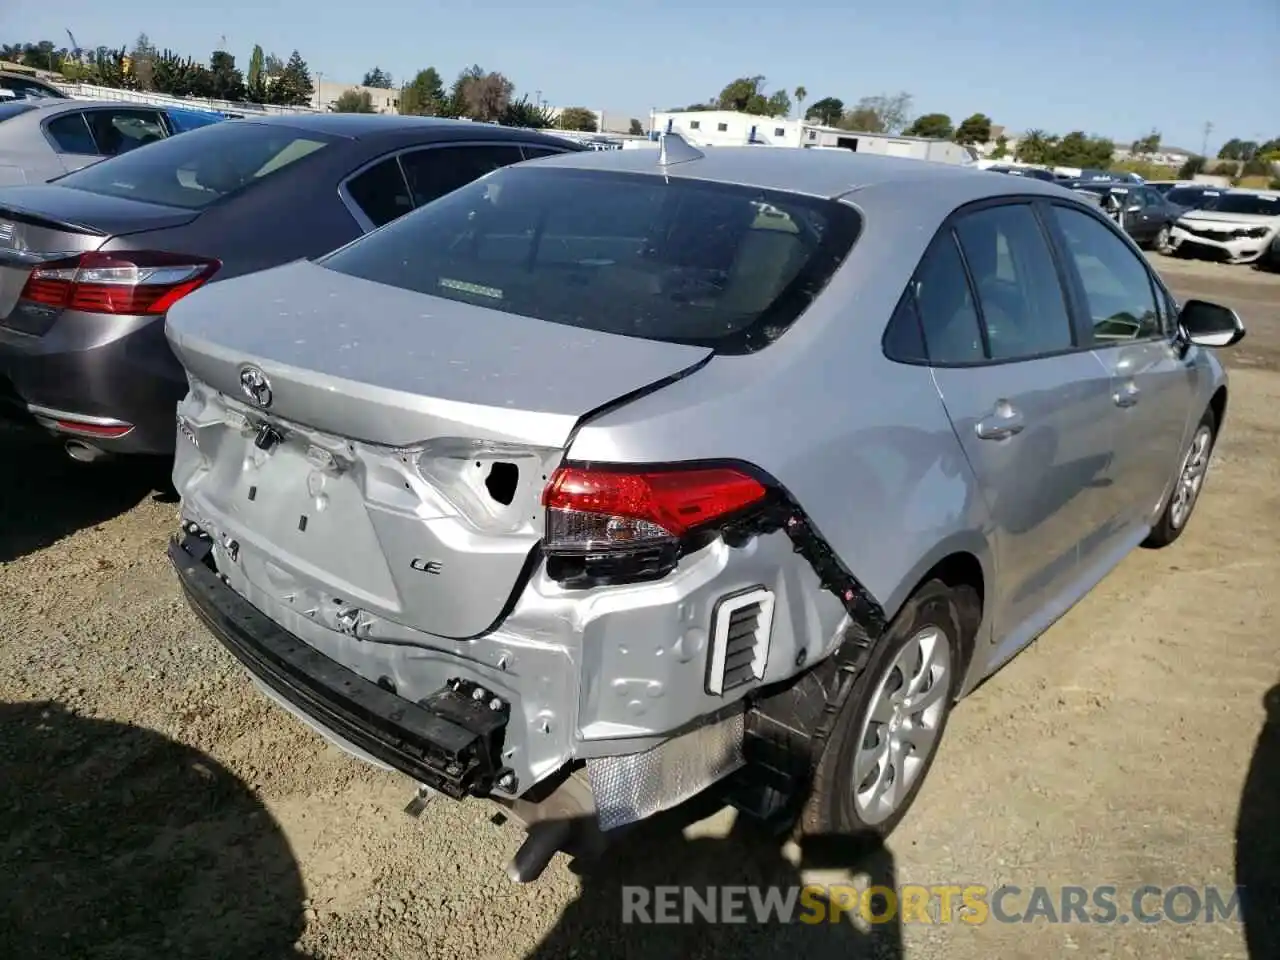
1191 477
902 726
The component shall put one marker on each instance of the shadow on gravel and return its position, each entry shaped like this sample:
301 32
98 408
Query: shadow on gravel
1258 839
45 495
656 873
124 845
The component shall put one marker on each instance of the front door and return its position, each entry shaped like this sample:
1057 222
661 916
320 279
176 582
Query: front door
1152 383
1030 406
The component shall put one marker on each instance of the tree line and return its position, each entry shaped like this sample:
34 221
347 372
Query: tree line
144 67
475 93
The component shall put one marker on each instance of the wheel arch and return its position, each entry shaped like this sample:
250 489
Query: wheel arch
1218 404
964 560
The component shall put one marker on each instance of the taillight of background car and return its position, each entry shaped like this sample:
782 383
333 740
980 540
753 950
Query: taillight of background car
132 283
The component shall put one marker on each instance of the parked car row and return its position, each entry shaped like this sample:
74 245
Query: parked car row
486 471
1183 217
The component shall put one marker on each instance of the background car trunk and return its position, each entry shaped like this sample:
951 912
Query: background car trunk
47 222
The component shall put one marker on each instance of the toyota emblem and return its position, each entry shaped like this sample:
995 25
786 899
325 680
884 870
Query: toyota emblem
255 385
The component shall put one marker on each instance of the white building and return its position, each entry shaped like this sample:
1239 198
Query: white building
730 128
327 93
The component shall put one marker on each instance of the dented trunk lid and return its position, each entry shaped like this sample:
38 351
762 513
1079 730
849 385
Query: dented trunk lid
411 439
376 363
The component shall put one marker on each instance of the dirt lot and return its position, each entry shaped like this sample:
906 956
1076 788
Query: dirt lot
155 805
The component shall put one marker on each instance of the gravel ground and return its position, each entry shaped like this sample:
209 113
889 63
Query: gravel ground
155 805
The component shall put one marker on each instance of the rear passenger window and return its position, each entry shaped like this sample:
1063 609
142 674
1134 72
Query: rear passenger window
1117 287
947 314
118 131
433 173
380 192
532 153
71 134
904 340
1023 307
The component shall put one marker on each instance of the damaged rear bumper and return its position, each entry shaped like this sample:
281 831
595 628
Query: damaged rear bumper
450 742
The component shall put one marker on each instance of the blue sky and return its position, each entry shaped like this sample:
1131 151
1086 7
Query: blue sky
1053 64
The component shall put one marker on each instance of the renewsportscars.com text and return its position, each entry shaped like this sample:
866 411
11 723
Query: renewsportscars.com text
932 904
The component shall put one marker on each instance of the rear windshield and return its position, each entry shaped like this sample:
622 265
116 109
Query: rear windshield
1247 203
13 108
682 261
1189 195
197 168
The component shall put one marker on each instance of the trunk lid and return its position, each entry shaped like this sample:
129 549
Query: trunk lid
389 366
41 222
414 437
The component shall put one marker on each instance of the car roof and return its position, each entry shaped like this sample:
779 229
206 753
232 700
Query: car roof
60 106
19 75
359 125
822 173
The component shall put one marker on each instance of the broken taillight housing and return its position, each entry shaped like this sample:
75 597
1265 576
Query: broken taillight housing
608 523
129 283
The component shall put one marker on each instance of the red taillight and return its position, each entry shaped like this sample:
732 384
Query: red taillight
108 431
608 509
135 283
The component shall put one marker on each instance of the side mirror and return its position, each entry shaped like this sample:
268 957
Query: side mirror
1134 208
1210 324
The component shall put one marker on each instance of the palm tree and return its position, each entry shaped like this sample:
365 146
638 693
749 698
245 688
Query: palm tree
800 95
1033 147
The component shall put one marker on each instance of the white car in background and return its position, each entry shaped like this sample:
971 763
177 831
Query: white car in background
1240 225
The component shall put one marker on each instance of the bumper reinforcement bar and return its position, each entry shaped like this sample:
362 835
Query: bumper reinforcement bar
451 741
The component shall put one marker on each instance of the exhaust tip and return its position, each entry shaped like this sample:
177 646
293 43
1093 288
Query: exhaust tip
83 452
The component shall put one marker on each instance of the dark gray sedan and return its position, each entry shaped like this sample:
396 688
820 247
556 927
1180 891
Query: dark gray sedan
90 264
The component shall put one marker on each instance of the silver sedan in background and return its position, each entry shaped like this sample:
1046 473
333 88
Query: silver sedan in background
44 138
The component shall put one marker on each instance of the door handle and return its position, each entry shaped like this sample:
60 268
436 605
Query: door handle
1126 396
1002 424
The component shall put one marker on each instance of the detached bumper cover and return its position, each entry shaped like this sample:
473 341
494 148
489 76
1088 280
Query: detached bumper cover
451 741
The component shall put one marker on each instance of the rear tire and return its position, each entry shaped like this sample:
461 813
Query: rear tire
882 746
1193 468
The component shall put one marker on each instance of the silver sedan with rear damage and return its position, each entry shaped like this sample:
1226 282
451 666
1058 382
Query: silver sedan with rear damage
615 476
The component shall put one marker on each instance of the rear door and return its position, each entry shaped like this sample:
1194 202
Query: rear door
1029 402
86 136
1132 325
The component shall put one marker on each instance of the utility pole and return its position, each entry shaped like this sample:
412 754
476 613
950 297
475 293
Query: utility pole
1204 146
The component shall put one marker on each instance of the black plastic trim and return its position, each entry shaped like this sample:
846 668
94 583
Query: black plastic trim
779 511
450 741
